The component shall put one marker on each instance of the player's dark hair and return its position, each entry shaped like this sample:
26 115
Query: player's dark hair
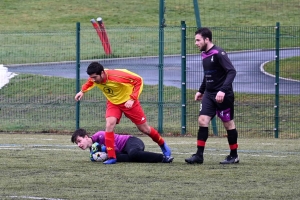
94 68
205 33
78 133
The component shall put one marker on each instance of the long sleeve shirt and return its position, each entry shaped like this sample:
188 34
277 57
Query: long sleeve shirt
119 86
219 73
120 140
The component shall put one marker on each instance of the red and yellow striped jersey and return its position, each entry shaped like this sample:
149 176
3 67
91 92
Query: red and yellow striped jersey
119 86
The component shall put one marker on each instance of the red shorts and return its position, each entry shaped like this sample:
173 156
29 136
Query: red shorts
135 113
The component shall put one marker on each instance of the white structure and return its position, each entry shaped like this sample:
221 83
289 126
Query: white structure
5 76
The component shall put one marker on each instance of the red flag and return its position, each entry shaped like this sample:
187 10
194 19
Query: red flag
100 29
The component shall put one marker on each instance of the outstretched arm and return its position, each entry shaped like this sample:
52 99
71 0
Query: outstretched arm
78 96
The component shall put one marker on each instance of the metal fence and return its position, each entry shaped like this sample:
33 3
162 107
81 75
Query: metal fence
40 94
265 100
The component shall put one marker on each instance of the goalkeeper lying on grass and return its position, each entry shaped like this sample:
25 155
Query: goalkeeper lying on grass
128 148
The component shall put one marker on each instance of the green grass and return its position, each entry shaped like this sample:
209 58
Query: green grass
44 15
50 107
42 166
50 166
48 34
288 67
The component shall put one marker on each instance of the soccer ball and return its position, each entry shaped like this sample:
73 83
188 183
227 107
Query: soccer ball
99 156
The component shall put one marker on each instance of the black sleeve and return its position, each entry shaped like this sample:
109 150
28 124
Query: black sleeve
229 70
203 86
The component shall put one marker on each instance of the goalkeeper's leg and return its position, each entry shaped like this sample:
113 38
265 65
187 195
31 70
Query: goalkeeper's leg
135 149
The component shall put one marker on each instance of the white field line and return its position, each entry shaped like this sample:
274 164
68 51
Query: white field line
195 142
173 153
36 149
11 148
29 139
226 154
208 150
29 197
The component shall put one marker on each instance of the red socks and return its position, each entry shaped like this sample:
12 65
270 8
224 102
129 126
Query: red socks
233 146
155 136
110 144
201 143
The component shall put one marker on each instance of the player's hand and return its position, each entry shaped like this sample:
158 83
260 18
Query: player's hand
198 96
78 96
97 147
102 148
129 103
220 97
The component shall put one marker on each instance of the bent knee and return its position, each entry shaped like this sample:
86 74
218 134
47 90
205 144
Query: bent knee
229 125
203 120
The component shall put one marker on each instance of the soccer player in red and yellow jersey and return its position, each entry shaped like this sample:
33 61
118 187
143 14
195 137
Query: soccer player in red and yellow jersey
122 89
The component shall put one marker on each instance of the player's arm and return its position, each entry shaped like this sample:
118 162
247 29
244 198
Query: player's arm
85 87
137 83
128 77
88 85
200 92
230 71
202 86
136 91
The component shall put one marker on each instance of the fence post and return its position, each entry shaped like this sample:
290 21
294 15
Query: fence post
197 14
276 128
77 72
161 65
183 77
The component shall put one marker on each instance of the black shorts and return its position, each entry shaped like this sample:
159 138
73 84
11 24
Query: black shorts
224 110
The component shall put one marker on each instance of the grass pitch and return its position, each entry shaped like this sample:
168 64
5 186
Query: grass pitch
62 14
40 166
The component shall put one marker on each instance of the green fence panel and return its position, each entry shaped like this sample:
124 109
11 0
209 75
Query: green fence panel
40 97
250 49
137 50
32 102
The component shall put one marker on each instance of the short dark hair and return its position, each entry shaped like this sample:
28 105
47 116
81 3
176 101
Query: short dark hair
94 68
78 133
205 33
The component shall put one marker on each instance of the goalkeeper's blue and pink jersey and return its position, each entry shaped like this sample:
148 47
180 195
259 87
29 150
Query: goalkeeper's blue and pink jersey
120 140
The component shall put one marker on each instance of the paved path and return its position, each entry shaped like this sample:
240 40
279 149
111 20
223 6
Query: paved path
249 79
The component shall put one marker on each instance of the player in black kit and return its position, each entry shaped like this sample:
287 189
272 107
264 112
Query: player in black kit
216 94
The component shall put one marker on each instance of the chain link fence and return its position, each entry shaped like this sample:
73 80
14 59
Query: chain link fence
42 65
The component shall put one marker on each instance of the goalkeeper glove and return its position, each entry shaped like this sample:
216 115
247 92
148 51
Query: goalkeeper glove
94 147
97 147
91 157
